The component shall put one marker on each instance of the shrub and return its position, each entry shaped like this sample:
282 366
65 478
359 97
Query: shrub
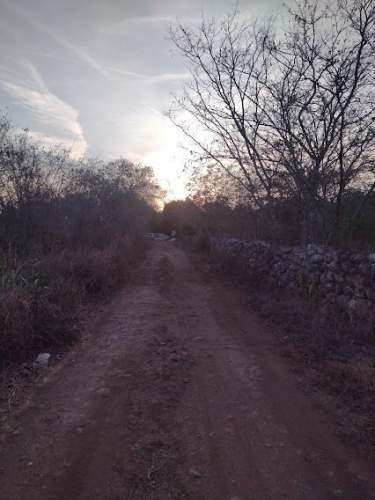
69 232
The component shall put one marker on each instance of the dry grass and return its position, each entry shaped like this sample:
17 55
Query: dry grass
39 299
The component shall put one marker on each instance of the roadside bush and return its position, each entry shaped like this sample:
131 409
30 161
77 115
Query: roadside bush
40 300
70 232
34 312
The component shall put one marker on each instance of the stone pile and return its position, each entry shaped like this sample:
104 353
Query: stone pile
323 274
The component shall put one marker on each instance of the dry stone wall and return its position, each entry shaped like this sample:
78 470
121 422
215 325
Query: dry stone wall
322 274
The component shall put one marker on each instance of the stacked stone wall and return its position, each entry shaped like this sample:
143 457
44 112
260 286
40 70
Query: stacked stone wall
320 273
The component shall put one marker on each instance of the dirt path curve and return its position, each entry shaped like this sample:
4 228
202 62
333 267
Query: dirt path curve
176 393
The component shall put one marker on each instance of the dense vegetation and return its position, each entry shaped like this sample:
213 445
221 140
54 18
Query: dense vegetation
70 231
279 224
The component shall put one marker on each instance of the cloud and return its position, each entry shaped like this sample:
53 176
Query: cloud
77 148
124 72
168 77
123 26
80 53
151 79
85 58
48 109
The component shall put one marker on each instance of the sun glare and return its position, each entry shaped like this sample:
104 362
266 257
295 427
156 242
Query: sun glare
168 160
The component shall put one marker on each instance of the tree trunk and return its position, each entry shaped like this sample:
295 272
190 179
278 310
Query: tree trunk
311 222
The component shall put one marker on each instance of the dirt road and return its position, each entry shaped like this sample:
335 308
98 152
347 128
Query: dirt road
176 392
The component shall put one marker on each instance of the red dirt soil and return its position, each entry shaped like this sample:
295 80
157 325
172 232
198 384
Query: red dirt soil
176 392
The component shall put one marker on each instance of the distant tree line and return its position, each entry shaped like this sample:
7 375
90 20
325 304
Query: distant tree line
219 216
49 201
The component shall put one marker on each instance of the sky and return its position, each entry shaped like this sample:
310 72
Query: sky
98 76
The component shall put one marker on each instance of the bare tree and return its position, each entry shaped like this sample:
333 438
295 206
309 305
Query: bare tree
28 170
137 178
285 112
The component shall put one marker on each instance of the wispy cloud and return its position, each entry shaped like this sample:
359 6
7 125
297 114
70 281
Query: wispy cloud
47 109
76 148
85 58
150 79
123 26
124 72
80 53
169 77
